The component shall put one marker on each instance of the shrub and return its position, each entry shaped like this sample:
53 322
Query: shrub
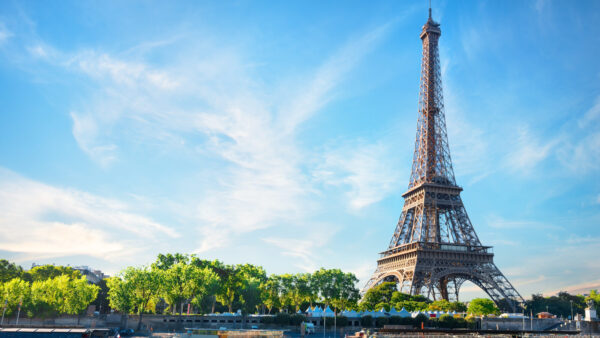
296 319
395 320
446 321
341 321
460 323
366 321
268 319
471 322
420 318
381 321
282 319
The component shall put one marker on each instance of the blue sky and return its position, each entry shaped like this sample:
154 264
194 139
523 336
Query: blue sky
281 133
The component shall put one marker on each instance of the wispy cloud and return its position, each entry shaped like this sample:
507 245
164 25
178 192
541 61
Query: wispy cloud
369 170
39 219
5 34
309 251
498 222
263 182
528 152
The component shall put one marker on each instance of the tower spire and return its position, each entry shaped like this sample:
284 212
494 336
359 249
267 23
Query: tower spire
429 9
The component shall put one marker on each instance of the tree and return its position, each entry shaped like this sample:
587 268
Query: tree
381 293
77 294
250 295
15 291
204 282
347 292
174 287
230 285
270 294
594 296
444 305
143 285
120 295
165 262
559 304
45 272
482 306
9 271
43 298
411 305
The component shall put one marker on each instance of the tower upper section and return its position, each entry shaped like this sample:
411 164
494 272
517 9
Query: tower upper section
431 159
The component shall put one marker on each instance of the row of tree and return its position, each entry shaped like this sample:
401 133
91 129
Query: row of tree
177 283
180 283
62 294
386 295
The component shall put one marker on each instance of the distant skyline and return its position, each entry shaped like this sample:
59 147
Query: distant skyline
281 133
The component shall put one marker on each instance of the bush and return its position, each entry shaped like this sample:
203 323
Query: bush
471 322
446 321
341 321
420 318
296 319
282 319
366 321
460 323
397 320
268 319
381 321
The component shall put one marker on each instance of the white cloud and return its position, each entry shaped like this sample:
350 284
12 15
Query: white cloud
85 131
5 34
370 170
39 219
592 115
263 182
469 146
528 152
498 222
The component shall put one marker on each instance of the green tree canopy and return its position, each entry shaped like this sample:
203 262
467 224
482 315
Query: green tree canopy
9 271
482 306
44 272
381 293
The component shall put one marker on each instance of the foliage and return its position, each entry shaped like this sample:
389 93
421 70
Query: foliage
13 292
381 293
366 321
594 296
341 321
45 272
62 295
559 305
482 306
173 281
385 295
120 295
381 321
444 305
420 318
9 271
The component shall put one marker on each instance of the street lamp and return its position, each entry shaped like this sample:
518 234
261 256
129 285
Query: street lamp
571 301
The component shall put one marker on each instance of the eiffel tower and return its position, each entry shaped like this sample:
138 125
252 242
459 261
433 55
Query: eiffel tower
435 249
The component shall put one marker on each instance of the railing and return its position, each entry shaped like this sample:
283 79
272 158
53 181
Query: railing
437 246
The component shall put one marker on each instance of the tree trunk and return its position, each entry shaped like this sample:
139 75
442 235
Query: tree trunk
139 326
213 305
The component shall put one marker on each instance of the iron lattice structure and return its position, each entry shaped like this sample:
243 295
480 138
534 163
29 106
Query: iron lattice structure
435 249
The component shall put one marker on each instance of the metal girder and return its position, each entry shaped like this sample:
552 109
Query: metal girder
434 248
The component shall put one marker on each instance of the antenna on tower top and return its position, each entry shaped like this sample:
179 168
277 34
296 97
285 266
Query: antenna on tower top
430 9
